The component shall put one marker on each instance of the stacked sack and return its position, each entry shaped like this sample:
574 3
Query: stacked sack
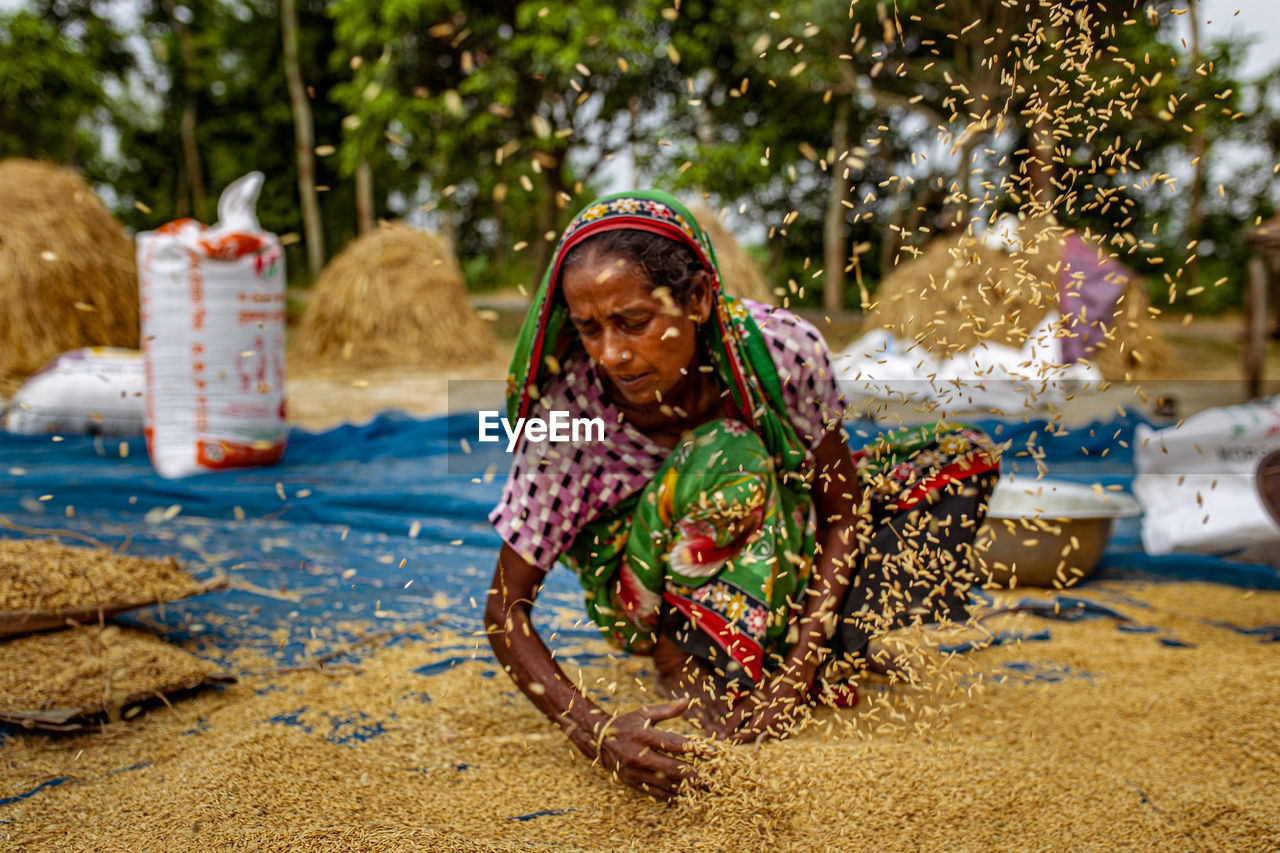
213 304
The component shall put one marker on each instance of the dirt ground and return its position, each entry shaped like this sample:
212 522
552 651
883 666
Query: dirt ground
323 398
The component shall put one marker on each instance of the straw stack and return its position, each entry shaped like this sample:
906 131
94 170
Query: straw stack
395 296
960 292
67 273
739 272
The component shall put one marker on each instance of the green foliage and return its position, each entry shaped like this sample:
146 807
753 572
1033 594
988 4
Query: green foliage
51 94
509 111
944 102
499 120
244 121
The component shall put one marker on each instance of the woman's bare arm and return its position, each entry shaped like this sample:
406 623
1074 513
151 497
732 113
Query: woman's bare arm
641 755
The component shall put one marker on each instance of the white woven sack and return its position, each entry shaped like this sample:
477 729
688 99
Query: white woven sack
90 391
1197 481
213 339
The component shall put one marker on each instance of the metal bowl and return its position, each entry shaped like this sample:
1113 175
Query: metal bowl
1048 533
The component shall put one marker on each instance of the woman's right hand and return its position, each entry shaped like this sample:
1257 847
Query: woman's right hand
629 745
640 754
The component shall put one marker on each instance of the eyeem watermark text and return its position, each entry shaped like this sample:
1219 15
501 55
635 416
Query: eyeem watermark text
559 427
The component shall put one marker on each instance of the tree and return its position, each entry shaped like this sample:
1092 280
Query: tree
51 88
245 119
955 109
753 127
304 136
509 111
850 132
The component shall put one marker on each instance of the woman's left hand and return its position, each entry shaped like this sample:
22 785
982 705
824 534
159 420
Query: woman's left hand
765 713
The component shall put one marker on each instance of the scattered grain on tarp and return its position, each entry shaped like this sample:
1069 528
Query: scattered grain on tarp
1102 736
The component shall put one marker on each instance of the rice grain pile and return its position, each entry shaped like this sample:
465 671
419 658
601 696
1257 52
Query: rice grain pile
92 667
959 293
1098 739
740 274
44 575
395 296
68 277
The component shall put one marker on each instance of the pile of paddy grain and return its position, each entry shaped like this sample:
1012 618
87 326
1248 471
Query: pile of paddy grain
395 296
43 575
739 273
68 277
390 758
960 292
93 669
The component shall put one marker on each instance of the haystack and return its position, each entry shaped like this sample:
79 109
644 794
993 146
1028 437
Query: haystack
67 273
740 273
395 296
960 292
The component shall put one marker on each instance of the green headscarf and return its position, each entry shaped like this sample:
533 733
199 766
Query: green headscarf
737 348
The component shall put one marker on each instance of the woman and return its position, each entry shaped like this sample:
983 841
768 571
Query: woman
721 526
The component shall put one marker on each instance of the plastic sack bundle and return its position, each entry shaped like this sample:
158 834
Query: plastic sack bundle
90 391
989 376
213 339
1197 481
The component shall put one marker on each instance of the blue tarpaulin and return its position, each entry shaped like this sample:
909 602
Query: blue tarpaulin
383 524
380 526
358 524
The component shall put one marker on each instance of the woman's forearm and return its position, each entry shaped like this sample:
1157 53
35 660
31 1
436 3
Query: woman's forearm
526 658
791 684
528 661
835 500
627 744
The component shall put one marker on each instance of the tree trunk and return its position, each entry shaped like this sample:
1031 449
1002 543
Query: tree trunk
181 195
962 185
633 128
499 258
1199 150
191 156
918 206
448 219
187 122
1253 352
303 140
833 226
775 261
364 197
1041 164
547 214
893 239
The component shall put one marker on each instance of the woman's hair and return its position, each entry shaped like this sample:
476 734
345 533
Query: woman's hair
663 261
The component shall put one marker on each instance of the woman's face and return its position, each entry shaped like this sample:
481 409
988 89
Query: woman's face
643 343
